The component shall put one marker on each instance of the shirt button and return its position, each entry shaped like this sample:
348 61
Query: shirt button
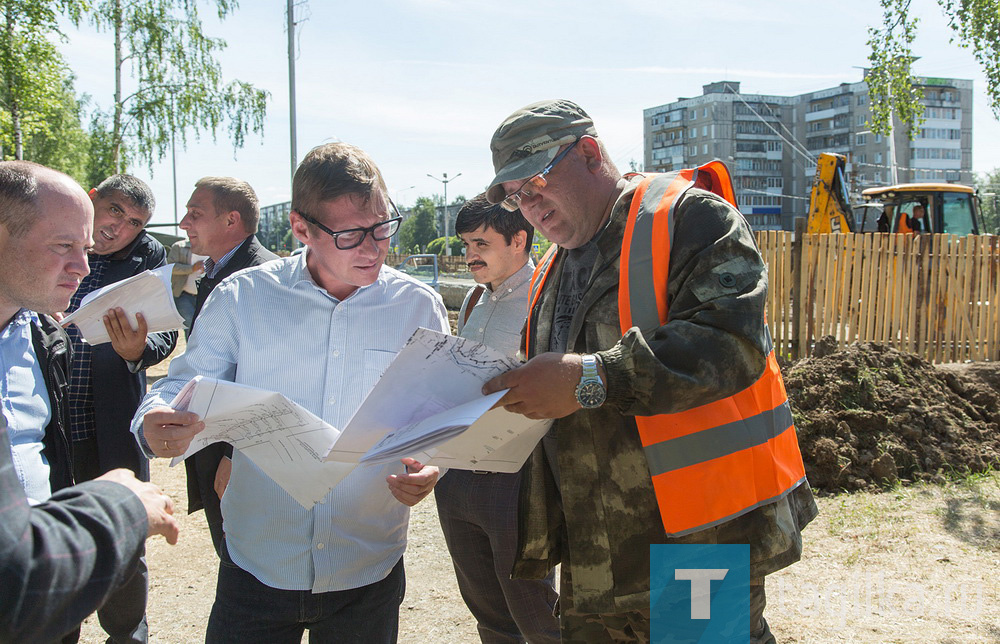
331 401
336 353
323 500
320 546
480 330
494 298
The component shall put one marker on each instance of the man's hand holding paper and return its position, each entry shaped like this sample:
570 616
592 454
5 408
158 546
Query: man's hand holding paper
169 432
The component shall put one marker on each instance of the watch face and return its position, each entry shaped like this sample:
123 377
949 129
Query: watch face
590 395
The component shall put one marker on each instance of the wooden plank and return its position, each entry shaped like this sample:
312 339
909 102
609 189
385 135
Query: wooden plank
920 299
910 298
968 305
900 261
799 296
993 291
933 305
856 294
980 320
844 304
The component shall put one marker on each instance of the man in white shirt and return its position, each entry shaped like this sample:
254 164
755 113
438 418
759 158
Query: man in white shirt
319 327
478 509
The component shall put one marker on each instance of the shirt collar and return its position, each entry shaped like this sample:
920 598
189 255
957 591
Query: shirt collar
20 319
515 281
300 275
213 267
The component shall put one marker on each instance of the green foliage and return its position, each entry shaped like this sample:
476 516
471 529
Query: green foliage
419 230
988 184
178 83
543 245
437 246
890 83
63 144
976 24
32 72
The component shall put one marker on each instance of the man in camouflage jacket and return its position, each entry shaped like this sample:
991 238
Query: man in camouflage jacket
587 500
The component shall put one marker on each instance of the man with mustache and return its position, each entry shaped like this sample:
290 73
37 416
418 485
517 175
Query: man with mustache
478 509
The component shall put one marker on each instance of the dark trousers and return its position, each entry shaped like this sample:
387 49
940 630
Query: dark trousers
201 468
247 611
478 514
635 626
123 615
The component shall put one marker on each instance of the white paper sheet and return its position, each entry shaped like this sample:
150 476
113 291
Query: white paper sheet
429 405
282 438
147 293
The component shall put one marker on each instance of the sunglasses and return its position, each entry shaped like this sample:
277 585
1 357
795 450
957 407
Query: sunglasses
531 187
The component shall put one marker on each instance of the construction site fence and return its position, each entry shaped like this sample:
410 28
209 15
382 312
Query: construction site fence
935 295
446 264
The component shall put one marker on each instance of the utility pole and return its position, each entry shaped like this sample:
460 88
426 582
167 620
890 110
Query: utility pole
291 84
445 181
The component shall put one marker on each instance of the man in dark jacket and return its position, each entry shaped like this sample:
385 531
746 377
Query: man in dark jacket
108 380
222 216
61 559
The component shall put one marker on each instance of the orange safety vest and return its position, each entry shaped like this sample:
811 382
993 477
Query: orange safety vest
717 461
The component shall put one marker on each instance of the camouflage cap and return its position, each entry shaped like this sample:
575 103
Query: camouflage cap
530 138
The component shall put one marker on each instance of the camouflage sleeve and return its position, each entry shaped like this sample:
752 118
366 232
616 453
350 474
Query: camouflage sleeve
713 343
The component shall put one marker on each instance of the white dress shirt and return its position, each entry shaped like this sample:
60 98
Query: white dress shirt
274 328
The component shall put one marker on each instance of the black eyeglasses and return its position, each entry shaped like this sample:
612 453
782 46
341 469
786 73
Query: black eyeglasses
352 237
530 187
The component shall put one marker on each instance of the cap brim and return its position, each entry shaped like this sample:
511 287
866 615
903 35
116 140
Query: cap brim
520 170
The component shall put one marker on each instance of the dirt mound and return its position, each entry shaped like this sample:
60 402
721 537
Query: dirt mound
870 415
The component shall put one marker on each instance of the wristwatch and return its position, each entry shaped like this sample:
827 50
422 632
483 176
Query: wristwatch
590 393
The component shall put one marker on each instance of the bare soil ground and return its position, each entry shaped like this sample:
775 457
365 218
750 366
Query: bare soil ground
892 561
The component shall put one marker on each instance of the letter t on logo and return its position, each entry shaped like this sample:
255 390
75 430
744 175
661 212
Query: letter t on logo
701 588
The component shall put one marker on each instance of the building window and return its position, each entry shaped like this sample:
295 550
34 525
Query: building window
692 115
704 112
704 148
878 157
704 130
860 139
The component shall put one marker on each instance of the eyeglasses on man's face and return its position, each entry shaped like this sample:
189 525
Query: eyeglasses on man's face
353 237
531 187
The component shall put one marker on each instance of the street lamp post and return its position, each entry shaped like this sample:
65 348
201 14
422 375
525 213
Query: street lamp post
444 181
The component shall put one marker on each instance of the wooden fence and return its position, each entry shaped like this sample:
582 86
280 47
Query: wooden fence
452 264
933 295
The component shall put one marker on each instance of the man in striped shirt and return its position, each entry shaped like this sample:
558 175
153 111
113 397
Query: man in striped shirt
319 327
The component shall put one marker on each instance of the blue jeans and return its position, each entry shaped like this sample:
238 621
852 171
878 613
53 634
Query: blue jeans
247 611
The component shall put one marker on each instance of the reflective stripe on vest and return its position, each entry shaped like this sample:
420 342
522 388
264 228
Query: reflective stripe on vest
534 290
717 461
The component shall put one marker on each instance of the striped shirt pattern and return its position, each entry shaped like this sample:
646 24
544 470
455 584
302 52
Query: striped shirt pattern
274 328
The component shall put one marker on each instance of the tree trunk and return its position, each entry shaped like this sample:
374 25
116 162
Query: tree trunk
15 122
116 131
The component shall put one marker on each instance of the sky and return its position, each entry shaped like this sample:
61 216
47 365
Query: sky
422 84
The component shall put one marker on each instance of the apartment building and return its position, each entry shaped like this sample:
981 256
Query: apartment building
770 142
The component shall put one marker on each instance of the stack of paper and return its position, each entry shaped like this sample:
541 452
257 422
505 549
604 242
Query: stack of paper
147 293
428 405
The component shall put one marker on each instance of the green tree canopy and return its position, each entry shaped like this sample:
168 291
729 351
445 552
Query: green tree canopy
437 246
32 72
178 83
988 185
419 230
976 26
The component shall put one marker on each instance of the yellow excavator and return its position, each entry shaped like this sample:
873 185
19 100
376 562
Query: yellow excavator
903 208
